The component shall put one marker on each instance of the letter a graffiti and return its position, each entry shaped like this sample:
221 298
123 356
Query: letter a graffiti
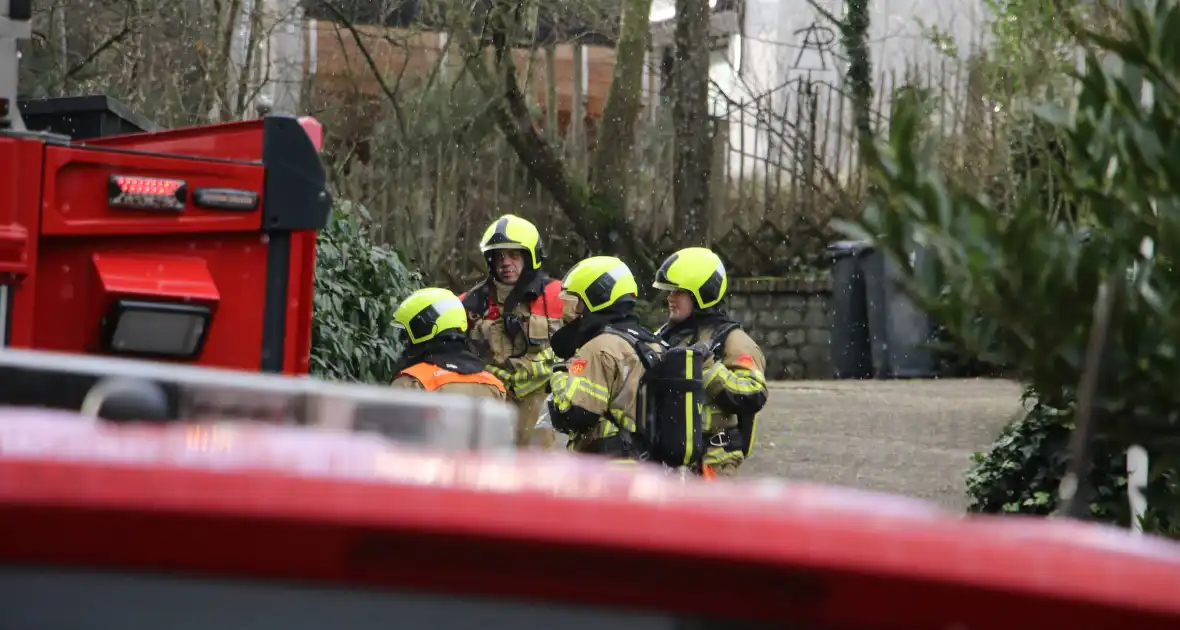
816 37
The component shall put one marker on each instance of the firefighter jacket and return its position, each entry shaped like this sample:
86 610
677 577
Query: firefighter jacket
510 327
430 377
735 384
596 398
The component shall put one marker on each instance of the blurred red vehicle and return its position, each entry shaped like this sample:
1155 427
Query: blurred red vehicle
202 525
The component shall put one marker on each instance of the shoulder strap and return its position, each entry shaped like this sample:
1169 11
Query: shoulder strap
717 343
478 298
662 329
647 355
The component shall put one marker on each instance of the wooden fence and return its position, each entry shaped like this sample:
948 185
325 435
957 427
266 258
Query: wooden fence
785 167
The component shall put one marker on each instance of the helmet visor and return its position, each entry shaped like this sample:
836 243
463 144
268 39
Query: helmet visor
507 245
400 336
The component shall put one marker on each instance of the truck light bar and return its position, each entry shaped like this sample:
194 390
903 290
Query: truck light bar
159 329
146 193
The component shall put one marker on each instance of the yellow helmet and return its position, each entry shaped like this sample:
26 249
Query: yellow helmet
696 270
428 312
513 232
600 281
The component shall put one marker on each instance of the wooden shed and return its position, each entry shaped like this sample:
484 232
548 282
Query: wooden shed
337 68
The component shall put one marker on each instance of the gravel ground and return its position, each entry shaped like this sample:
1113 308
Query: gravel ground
908 437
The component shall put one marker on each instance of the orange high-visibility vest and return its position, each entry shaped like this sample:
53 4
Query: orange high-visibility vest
433 377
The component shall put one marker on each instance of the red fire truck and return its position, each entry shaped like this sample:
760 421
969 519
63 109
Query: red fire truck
191 245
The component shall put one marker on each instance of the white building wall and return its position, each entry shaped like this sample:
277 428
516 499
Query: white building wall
790 56
285 44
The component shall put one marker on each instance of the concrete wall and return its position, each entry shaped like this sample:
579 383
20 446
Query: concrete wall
789 318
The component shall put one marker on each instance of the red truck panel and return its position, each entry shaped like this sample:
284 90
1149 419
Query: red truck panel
71 301
75 199
20 163
261 259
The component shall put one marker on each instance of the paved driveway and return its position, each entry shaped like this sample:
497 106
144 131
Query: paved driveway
910 437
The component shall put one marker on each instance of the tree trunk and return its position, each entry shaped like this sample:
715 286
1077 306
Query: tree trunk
691 120
61 33
610 164
217 58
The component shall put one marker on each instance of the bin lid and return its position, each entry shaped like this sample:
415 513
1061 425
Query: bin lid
843 249
89 104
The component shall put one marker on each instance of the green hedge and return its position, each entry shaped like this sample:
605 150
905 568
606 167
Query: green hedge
358 285
1021 471
652 313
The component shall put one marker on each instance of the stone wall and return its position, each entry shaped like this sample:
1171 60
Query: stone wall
789 318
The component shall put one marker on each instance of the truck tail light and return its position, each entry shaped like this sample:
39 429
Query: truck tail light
158 329
146 193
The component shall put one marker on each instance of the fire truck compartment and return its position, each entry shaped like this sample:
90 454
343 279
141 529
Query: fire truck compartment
155 305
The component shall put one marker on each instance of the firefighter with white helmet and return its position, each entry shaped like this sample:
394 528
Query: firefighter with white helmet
735 384
434 324
513 313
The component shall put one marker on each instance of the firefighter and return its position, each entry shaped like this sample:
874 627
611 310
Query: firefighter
735 387
595 396
434 324
513 314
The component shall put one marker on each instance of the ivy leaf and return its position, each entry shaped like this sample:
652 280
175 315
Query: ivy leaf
358 285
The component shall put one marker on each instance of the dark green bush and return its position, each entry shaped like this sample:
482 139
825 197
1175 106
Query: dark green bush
358 285
652 313
1021 471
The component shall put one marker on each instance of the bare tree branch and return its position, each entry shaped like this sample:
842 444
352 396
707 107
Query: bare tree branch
1074 500
390 95
222 62
128 27
514 119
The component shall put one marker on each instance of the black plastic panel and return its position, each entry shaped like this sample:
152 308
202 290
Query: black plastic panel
274 308
20 10
83 117
296 194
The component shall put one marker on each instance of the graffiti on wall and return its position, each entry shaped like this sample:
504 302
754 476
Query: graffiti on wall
816 44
